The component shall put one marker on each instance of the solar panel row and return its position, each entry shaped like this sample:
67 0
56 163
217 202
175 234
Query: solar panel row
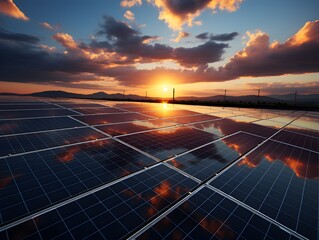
138 170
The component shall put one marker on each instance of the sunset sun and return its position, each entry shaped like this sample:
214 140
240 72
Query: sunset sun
165 89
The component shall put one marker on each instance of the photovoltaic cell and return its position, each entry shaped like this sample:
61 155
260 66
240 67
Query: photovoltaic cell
26 106
305 125
33 181
300 140
111 118
206 161
80 105
113 212
164 113
280 181
192 119
208 215
228 126
135 126
165 143
39 124
36 141
270 123
99 110
35 113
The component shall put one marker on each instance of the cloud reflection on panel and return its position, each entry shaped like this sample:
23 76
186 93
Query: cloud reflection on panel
303 163
204 162
224 127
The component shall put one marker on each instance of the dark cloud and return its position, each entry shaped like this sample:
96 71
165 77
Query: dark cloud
125 40
184 7
177 13
218 37
200 55
19 37
116 30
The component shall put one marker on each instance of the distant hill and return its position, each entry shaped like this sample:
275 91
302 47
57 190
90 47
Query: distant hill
286 98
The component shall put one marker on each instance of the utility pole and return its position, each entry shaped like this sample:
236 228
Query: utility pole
173 95
146 95
225 96
123 94
258 96
295 97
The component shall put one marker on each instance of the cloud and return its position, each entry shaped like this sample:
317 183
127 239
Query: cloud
180 36
24 59
129 15
130 3
135 46
284 87
261 58
177 13
218 37
208 52
65 40
49 26
8 7
17 37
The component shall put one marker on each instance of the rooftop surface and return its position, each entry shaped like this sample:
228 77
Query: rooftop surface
76 169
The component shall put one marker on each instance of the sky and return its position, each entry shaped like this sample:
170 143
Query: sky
198 47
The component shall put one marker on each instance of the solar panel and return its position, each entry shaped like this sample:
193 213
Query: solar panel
33 181
112 212
165 143
134 126
208 160
86 169
208 215
280 181
35 113
192 119
270 123
300 140
79 105
111 118
99 110
223 127
166 112
39 124
15 144
26 106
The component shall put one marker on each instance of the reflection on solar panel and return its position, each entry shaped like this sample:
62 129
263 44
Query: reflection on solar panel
75 169
167 142
208 215
37 124
111 118
35 113
280 181
206 161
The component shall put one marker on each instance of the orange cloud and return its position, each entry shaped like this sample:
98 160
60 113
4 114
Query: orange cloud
129 15
7 7
308 33
177 13
65 40
180 36
49 26
262 58
130 3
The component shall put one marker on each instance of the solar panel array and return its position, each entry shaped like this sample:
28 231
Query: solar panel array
76 169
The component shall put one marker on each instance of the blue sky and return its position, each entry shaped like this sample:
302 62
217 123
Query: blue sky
83 19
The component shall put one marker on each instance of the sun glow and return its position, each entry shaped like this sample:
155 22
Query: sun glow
165 89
